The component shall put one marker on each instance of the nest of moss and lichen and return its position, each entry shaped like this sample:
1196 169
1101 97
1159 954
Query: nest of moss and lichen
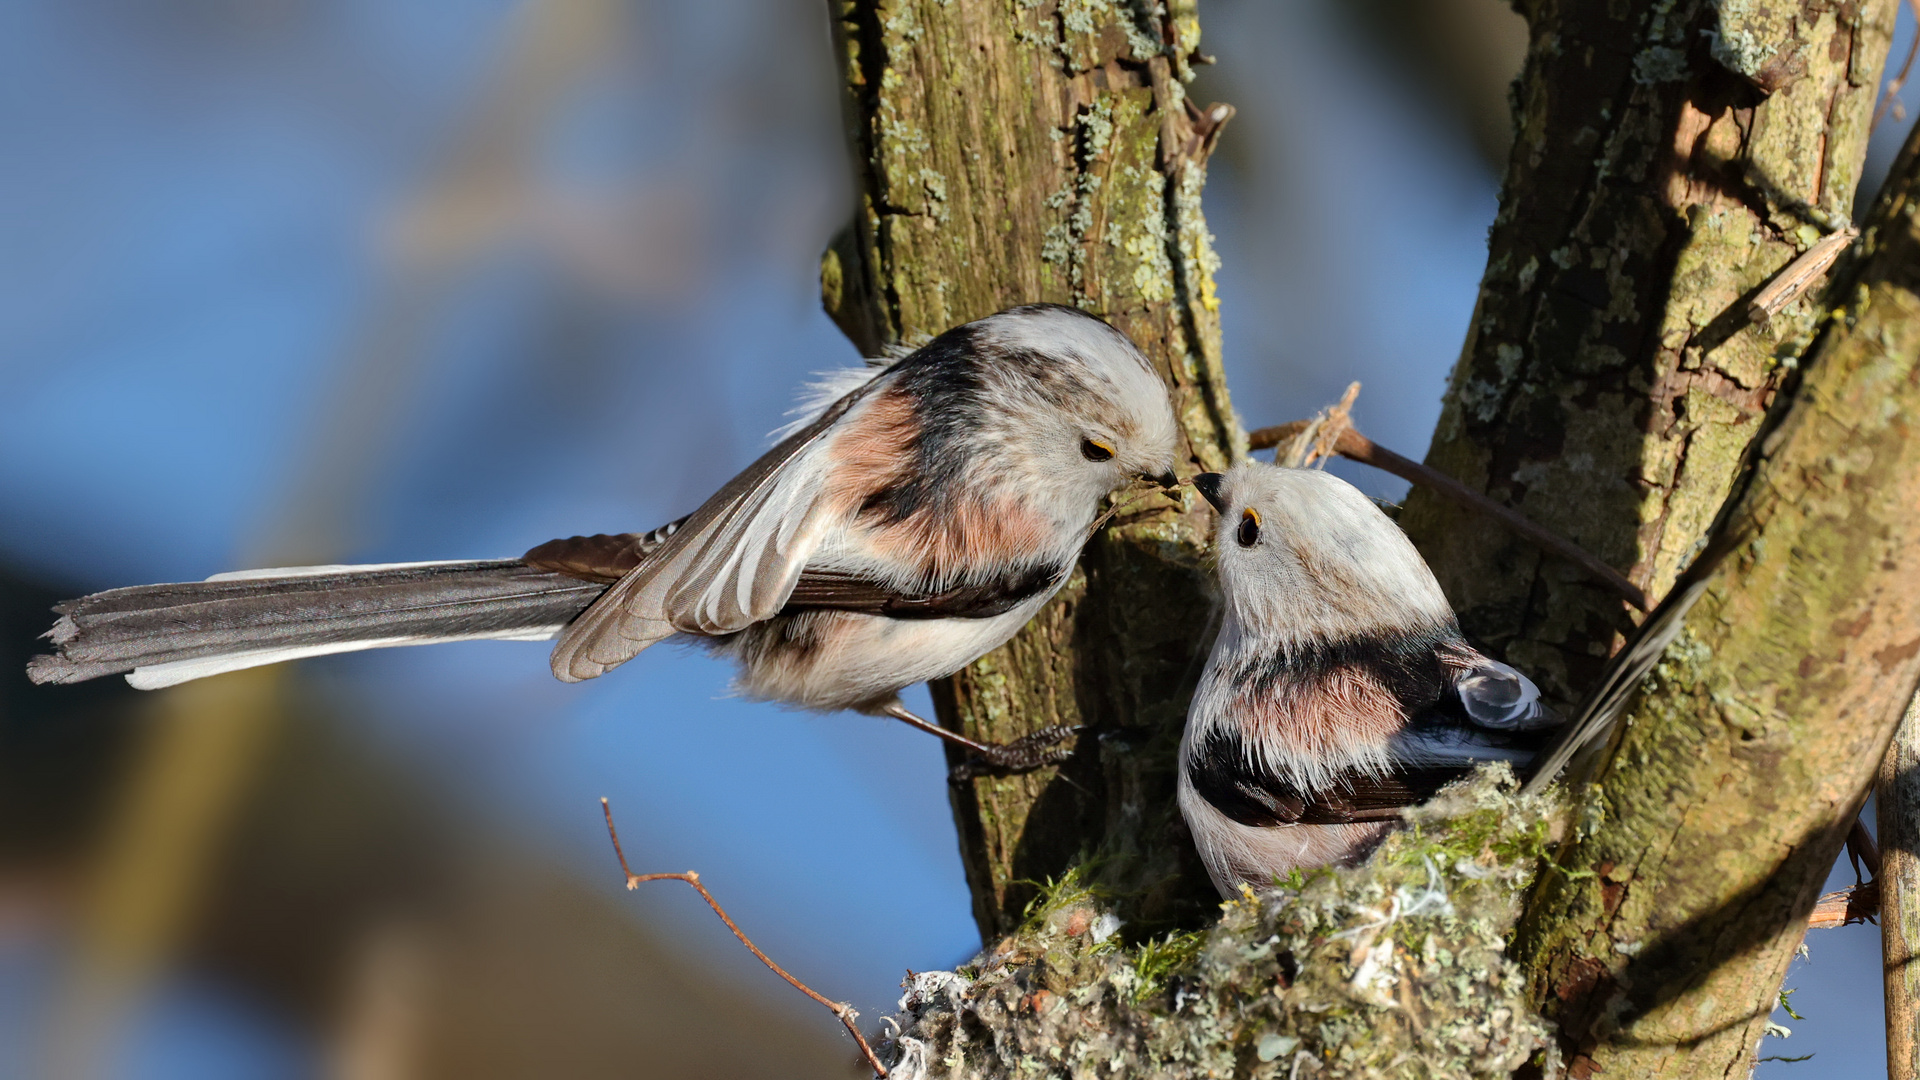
1395 968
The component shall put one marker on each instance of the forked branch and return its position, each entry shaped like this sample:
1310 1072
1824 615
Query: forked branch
841 1009
1334 433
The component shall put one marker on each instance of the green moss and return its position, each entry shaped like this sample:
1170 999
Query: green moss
1393 968
1156 962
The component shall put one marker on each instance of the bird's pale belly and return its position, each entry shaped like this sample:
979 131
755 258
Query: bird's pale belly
832 660
1236 853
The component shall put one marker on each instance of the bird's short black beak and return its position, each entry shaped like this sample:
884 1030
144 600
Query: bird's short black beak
1166 480
1208 485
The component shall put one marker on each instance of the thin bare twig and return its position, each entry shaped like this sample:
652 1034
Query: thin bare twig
1299 444
1890 100
841 1009
1862 851
1336 433
1857 904
1861 903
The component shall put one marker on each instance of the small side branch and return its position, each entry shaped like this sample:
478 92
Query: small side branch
1890 98
1862 852
841 1009
1792 282
1861 903
1337 435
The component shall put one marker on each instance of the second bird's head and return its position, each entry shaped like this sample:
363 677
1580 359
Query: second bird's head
1303 555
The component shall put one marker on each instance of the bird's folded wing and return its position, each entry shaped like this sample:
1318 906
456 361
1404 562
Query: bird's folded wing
841 590
1363 797
1252 796
1487 711
603 557
823 588
730 565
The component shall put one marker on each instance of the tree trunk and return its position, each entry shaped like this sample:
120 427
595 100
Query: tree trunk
1670 159
1007 154
1701 843
1899 877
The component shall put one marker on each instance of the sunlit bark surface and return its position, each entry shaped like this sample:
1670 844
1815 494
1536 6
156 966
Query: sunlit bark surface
1700 845
1011 153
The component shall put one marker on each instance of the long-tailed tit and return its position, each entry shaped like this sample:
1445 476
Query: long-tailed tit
1339 689
919 517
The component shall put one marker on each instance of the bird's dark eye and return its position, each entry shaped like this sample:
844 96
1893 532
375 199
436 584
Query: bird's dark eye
1249 531
1095 450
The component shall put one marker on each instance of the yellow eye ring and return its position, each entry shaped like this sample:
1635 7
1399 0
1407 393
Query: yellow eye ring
1248 534
1094 450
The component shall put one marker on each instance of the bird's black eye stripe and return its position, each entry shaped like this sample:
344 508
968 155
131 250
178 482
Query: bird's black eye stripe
1249 531
1095 450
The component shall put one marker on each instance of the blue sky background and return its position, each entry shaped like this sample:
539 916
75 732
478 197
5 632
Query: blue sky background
219 265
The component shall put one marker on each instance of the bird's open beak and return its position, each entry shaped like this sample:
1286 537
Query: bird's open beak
1166 480
1208 485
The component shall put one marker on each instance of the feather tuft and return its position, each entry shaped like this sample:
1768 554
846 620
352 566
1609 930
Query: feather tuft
827 387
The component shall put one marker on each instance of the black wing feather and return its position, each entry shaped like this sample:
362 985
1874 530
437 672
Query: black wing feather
1223 774
837 590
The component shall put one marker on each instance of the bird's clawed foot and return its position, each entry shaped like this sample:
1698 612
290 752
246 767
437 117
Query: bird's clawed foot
1048 746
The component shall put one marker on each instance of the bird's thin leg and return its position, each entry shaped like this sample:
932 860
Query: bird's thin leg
898 711
1047 746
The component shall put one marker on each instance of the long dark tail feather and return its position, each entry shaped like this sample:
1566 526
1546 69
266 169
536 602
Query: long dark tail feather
164 634
1577 746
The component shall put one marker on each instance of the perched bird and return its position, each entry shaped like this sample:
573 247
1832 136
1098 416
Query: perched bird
915 519
1339 688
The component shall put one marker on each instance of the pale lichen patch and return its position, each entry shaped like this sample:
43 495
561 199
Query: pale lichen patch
1363 972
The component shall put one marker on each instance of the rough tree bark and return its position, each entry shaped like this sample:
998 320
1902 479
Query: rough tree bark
1670 158
1899 819
1012 153
1701 843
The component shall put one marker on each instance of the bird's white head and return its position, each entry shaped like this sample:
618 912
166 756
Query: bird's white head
1074 401
1304 556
